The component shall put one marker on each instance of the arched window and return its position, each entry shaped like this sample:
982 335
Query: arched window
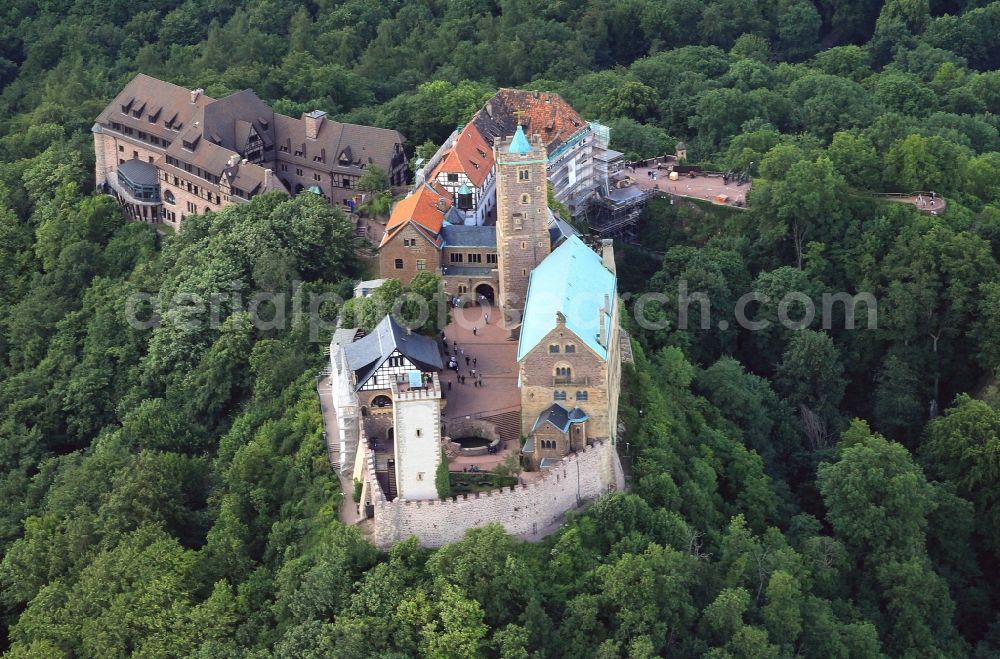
563 374
526 199
559 395
381 401
570 347
168 197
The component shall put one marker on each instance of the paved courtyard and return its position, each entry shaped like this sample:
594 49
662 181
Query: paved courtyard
701 186
495 355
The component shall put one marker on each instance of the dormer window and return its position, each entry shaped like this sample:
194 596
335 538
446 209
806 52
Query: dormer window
346 157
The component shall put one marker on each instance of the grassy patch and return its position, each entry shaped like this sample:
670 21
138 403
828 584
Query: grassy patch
466 483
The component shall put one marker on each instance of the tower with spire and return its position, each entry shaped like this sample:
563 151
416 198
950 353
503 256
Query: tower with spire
522 218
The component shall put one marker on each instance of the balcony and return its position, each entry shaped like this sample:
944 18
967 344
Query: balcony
136 182
570 381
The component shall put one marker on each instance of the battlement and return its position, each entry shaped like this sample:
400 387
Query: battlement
526 509
431 388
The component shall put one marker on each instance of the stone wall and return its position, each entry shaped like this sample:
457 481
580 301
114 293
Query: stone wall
521 510
395 249
471 428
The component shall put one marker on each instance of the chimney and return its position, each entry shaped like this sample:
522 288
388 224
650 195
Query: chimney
602 336
195 93
608 254
313 121
268 178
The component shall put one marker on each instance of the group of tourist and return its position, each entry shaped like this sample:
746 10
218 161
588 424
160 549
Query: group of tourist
455 356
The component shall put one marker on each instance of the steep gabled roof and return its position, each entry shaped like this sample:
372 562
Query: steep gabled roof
570 284
427 206
360 146
365 355
160 102
470 155
541 113
559 417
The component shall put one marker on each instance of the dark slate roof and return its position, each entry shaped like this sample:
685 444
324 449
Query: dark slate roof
139 172
559 417
359 145
466 271
559 230
365 355
468 236
160 102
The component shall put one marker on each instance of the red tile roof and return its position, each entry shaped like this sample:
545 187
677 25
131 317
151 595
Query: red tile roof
470 154
426 206
541 113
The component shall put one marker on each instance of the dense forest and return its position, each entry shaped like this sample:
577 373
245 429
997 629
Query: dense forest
811 492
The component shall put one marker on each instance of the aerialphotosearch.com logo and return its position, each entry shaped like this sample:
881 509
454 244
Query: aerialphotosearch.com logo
795 310
273 310
653 310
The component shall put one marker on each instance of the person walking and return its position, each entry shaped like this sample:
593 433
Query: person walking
474 332
466 360
487 319
473 361
449 385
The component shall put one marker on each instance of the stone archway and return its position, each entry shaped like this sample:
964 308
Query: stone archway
485 291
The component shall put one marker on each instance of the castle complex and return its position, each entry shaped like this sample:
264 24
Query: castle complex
166 152
481 219
478 215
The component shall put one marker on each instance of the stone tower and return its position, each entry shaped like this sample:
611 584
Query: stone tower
417 435
522 218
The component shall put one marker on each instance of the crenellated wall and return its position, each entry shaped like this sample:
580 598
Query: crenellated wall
521 509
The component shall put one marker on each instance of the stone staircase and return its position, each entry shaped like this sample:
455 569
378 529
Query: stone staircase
508 425
392 491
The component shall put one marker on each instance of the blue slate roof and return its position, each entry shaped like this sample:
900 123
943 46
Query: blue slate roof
519 144
559 230
365 355
559 417
461 235
571 281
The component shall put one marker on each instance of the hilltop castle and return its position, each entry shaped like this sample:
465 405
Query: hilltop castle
489 231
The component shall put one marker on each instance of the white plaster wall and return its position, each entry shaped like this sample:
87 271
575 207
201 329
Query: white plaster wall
417 455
